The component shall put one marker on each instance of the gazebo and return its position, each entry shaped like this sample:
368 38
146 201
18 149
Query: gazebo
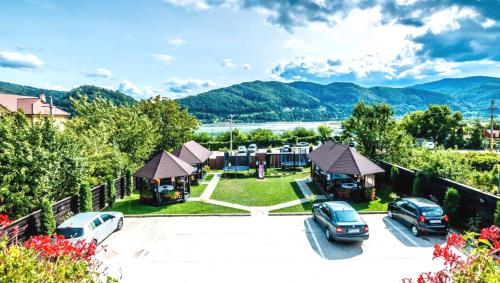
164 180
342 170
196 155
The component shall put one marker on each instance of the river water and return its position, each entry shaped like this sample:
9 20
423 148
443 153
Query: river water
276 127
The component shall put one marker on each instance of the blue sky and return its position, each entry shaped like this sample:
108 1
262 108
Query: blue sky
183 47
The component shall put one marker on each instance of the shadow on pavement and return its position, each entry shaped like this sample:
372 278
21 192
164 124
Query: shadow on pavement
405 236
329 250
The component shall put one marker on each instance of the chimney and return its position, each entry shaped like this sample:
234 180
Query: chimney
42 97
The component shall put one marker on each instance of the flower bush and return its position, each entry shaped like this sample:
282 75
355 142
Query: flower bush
479 262
57 246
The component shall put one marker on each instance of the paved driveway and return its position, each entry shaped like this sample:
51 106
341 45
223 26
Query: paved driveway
262 249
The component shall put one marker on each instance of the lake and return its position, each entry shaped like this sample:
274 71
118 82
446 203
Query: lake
276 127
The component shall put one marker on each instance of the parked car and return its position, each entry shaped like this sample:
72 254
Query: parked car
302 144
90 226
242 149
340 221
429 145
420 214
252 148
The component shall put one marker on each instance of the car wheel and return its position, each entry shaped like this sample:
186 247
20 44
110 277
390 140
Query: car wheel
328 234
389 213
120 224
415 231
94 241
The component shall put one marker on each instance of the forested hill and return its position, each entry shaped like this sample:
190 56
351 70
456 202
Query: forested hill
305 101
62 98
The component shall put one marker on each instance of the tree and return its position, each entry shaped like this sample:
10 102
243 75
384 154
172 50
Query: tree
497 215
47 219
451 203
130 182
394 177
85 198
262 135
376 132
325 132
111 190
416 190
476 137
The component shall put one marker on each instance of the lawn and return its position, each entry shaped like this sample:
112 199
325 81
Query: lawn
197 190
132 206
380 204
208 177
245 189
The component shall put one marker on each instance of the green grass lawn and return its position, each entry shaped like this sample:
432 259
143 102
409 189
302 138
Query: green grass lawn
245 189
380 204
133 206
197 190
208 178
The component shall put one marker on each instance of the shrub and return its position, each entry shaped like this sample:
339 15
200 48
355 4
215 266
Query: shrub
47 219
417 185
206 169
85 198
393 196
394 177
497 215
451 202
110 185
130 182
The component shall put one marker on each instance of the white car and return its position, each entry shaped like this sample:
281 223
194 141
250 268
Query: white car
242 149
91 227
429 145
252 148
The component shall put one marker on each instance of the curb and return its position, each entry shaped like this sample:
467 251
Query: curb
309 213
183 215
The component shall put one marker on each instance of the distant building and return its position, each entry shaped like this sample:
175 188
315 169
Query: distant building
487 134
33 107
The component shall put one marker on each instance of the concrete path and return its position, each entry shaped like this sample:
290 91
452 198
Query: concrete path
207 193
227 204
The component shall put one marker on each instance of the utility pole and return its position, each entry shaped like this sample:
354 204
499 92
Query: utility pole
492 110
231 133
51 105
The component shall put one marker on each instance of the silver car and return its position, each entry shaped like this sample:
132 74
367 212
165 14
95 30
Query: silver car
91 227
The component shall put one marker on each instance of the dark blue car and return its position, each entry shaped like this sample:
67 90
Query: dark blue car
340 221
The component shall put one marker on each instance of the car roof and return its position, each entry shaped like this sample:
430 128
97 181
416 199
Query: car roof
421 202
80 219
339 205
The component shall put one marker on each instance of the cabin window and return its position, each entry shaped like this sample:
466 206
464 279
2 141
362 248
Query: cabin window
370 181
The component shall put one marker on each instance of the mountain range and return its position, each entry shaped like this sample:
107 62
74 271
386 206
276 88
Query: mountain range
261 101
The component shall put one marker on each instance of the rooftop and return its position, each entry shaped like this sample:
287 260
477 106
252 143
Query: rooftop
192 152
164 165
29 104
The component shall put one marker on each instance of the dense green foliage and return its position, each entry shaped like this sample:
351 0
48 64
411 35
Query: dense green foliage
130 181
47 218
417 189
305 101
476 137
111 190
497 215
62 99
376 132
85 198
394 176
451 203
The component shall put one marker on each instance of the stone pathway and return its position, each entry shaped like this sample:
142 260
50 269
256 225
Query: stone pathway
256 210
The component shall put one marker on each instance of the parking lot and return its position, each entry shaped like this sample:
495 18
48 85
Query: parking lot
262 249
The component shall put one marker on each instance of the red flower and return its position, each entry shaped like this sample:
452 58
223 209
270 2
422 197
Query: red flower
4 220
53 247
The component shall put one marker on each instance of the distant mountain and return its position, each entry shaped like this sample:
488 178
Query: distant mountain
62 98
305 101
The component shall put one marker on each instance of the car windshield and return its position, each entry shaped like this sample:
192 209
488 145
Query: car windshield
434 211
347 216
69 233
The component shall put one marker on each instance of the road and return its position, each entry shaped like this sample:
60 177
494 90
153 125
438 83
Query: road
262 249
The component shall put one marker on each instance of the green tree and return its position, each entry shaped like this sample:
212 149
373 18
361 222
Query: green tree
476 137
451 203
416 190
85 198
497 215
262 135
111 190
47 219
394 177
325 132
376 132
130 182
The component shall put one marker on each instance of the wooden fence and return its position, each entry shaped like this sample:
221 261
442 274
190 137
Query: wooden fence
473 202
29 225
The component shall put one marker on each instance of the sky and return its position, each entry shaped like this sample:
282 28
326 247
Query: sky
177 48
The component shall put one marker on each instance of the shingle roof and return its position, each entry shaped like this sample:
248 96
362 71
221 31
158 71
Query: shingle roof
192 152
164 165
337 158
29 104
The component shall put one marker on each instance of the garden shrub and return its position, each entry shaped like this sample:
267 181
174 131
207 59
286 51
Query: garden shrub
417 190
130 182
206 169
47 219
394 177
85 198
497 215
110 185
451 203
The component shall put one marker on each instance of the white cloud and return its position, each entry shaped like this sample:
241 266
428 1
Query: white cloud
198 5
247 67
167 59
488 23
448 19
228 63
55 87
131 89
187 86
177 42
19 61
100 73
294 43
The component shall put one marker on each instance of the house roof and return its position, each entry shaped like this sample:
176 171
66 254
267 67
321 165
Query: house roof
192 152
164 165
338 158
29 104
